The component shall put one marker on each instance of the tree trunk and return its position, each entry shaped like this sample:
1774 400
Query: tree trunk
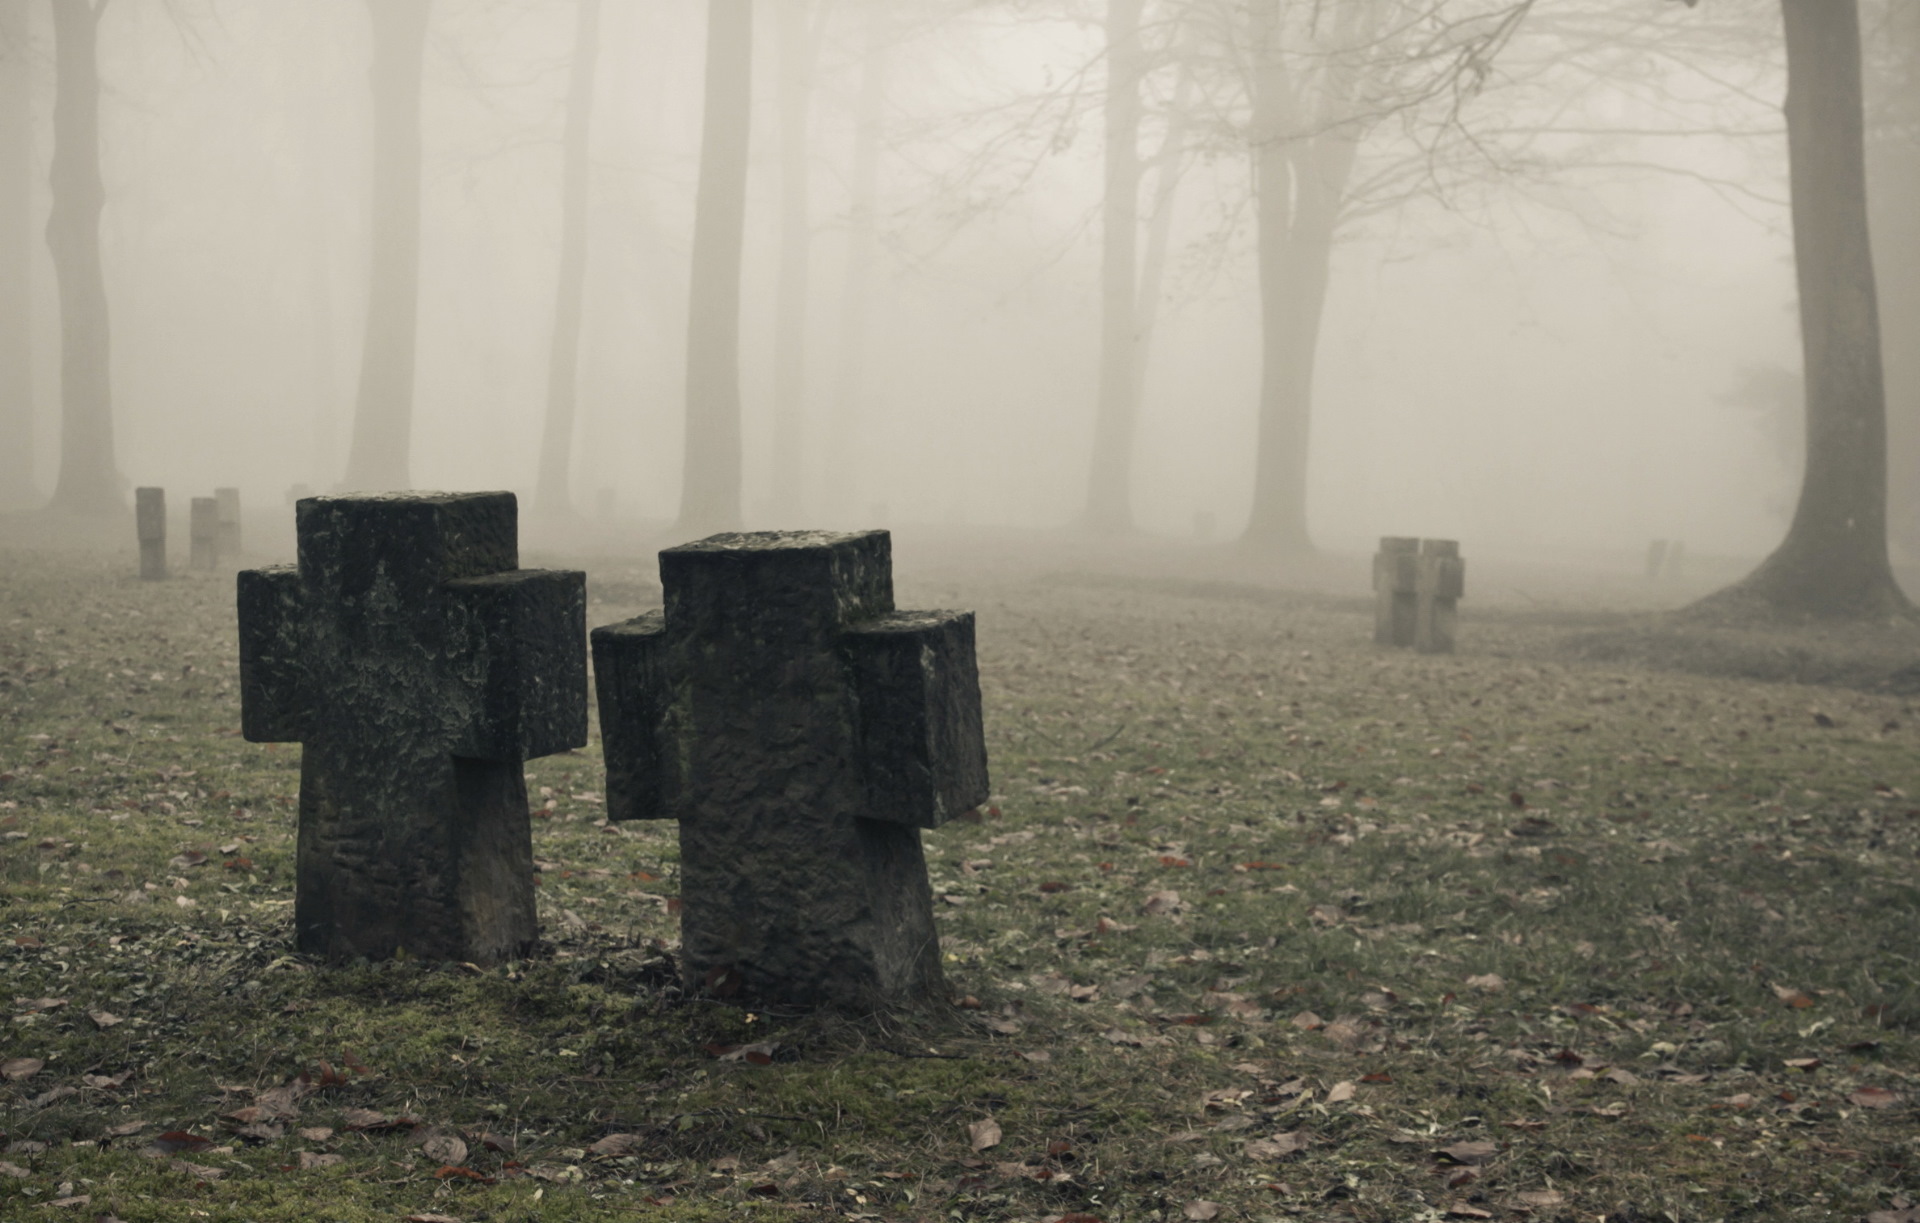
553 496
89 481
1833 562
16 258
856 292
1153 265
710 488
1892 88
1109 483
383 412
794 25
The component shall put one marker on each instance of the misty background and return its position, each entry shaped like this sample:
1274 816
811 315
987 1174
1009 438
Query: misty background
1579 334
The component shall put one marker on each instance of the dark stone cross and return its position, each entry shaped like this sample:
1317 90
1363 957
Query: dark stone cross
419 668
803 732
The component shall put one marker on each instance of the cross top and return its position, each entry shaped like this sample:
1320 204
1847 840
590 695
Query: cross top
801 731
419 668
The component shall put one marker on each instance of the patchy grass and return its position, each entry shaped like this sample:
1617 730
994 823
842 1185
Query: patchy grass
1264 922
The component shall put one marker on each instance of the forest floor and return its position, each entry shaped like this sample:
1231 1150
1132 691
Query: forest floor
1263 922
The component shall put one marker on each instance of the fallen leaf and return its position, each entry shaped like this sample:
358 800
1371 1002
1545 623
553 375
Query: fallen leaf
1468 1152
984 1134
1200 1208
78 1199
126 1129
199 1172
1874 1097
319 1159
103 1019
16 1068
444 1149
1162 902
1339 1093
39 1004
1542 1197
8 1168
614 1145
1278 1146
1808 1064
174 1141
1465 1210
1307 1021
1797 999
1487 983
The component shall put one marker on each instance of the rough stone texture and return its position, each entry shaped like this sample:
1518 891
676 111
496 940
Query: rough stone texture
227 503
803 732
1394 581
150 524
421 669
1442 580
203 533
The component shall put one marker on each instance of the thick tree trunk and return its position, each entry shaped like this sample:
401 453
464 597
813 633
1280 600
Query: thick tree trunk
1153 265
553 495
1893 184
89 481
1833 562
794 25
383 413
710 488
856 291
16 259
1109 482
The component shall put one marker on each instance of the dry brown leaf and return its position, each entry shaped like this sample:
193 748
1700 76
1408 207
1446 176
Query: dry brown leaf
614 1145
1874 1097
319 1159
1797 999
103 1019
1279 1146
1466 1210
1542 1198
316 1133
199 1172
1468 1152
1487 982
1162 902
444 1149
8 1168
16 1068
1200 1209
1340 1093
984 1134
1307 1021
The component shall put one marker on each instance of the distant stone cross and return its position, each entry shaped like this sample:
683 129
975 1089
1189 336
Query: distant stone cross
1417 584
419 668
803 732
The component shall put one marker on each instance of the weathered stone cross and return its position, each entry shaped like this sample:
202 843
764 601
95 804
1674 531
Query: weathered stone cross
419 668
803 732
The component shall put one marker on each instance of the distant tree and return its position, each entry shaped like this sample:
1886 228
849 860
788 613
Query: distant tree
89 481
1117 406
383 411
1891 31
799 26
710 488
16 256
1833 561
553 495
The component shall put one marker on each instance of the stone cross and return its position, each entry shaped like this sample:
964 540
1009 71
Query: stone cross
1395 570
802 732
203 533
150 524
227 503
1442 580
419 668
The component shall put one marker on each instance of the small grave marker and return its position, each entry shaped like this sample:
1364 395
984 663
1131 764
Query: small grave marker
802 732
420 668
1442 581
227 501
203 533
150 525
1395 577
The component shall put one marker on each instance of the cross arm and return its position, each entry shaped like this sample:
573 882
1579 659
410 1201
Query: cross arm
924 752
273 692
519 653
631 676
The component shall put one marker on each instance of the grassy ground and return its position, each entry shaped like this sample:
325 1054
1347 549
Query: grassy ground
1264 923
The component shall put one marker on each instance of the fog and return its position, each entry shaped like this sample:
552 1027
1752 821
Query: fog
1535 349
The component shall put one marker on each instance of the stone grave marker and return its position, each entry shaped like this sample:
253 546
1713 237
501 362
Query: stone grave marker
1442 580
1395 578
227 503
802 732
419 668
150 525
203 533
